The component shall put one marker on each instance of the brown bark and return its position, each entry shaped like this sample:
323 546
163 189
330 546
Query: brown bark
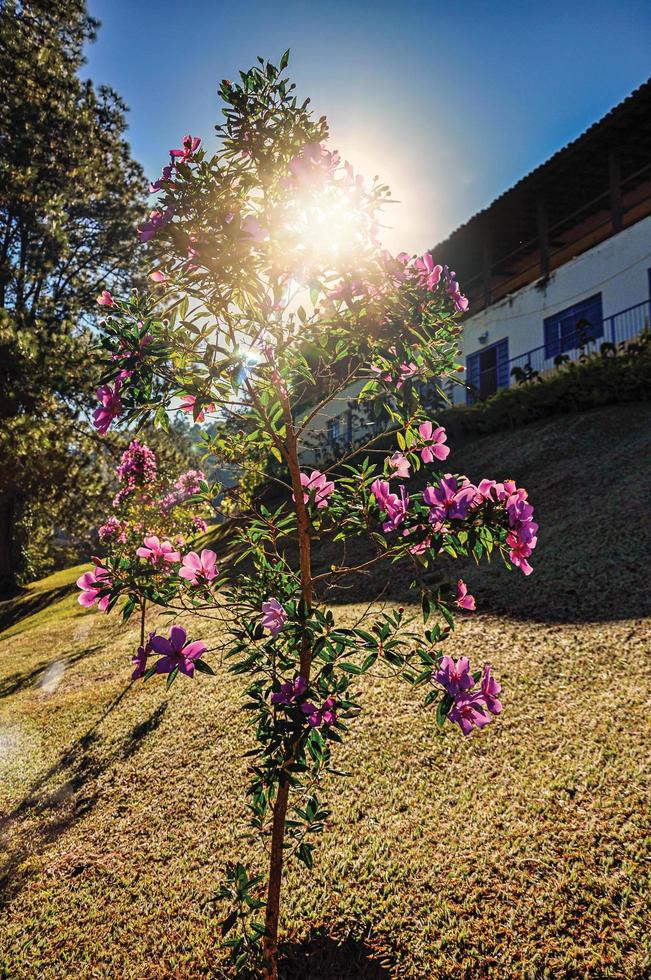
270 946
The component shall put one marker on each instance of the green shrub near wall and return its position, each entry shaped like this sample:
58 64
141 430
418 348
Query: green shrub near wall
609 378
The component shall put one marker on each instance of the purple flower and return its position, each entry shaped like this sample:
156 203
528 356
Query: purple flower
252 228
394 505
290 691
274 616
450 500
489 690
467 712
176 652
325 715
139 660
453 290
157 221
109 408
165 179
137 464
455 677
189 146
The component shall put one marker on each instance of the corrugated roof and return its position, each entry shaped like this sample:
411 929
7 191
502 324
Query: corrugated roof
640 97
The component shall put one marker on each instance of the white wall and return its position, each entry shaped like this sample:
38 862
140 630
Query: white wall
617 268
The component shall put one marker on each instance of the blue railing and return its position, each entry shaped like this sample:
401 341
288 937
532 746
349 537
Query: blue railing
616 329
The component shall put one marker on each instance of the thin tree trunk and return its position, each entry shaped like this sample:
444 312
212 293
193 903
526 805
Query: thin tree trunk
7 546
270 945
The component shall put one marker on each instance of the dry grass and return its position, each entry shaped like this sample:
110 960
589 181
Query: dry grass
521 852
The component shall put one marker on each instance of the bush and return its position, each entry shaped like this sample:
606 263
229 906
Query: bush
607 378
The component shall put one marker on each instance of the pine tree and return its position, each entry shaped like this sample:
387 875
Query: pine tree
70 199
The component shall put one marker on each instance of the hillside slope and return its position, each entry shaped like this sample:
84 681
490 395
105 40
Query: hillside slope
520 852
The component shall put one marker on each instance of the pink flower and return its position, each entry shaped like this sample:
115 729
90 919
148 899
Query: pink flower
139 659
318 484
187 405
165 180
490 689
91 584
453 290
467 712
105 298
274 616
455 677
137 464
158 276
433 440
428 273
199 570
186 486
450 500
325 715
521 544
252 228
407 371
189 147
464 600
394 505
176 652
157 221
522 537
155 550
290 691
398 467
109 408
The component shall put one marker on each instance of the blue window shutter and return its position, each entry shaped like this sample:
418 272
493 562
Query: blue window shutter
472 377
561 332
503 363
552 338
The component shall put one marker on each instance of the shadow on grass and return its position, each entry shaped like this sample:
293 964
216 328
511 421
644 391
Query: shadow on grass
330 959
20 606
18 682
62 796
140 731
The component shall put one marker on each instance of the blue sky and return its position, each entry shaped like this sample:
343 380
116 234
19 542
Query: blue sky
449 102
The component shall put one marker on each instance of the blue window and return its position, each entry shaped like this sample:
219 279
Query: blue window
487 370
574 327
334 429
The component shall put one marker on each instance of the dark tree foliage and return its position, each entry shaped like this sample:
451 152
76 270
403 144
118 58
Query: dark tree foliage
70 199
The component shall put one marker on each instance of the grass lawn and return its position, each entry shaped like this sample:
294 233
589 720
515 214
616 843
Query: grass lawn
522 851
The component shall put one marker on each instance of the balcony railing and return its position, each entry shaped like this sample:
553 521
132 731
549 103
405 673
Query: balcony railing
617 329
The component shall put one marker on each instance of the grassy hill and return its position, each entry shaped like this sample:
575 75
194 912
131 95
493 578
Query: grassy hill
519 852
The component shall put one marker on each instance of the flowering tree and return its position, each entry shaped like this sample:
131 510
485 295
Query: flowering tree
273 297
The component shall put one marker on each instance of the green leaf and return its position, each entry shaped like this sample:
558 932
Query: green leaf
228 923
203 667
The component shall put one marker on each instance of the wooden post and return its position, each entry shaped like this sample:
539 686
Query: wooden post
615 176
543 238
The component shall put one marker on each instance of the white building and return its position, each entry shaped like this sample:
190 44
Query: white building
558 264
561 262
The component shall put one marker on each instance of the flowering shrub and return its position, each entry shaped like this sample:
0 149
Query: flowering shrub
273 297
151 525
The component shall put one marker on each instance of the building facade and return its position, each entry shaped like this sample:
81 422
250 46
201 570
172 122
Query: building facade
556 266
560 263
